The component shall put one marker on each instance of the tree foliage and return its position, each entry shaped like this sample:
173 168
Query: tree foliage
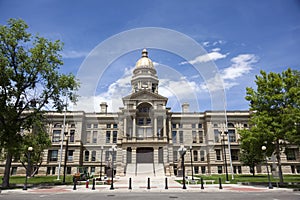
275 107
29 82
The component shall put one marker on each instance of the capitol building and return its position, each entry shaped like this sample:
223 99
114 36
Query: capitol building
144 137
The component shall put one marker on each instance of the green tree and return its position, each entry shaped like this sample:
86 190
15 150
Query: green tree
29 81
275 104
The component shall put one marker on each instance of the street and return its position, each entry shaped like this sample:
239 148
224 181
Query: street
113 195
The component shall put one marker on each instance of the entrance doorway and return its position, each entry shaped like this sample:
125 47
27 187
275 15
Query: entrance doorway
144 155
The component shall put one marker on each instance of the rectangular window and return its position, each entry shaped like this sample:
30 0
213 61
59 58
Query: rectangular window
95 137
148 121
72 135
88 136
203 169
199 125
180 136
200 133
239 169
194 136
115 125
195 155
180 125
290 154
86 156
108 125
217 135
88 125
69 170
93 156
234 154
231 134
173 125
193 125
196 169
70 155
92 170
115 135
220 171
48 170
174 137
175 156
107 156
202 155
107 139
53 154
95 125
298 169
53 170
56 135
140 121
218 154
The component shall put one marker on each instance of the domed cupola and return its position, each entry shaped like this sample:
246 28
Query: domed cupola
144 75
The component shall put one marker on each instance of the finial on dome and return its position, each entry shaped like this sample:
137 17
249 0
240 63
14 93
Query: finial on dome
145 53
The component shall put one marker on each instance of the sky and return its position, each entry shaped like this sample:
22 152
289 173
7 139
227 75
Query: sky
206 52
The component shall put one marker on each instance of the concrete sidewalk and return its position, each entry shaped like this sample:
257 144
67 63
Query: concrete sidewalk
140 184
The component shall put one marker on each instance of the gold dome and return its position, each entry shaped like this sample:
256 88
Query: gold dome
144 62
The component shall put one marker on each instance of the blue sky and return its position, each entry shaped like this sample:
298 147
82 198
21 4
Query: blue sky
239 38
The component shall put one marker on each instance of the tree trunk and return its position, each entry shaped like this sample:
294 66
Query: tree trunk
5 183
279 162
253 170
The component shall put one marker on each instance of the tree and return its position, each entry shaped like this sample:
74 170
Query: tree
276 109
29 81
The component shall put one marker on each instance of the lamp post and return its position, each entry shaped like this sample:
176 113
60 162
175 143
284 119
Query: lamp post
182 152
30 149
224 153
66 157
192 168
264 150
112 171
101 163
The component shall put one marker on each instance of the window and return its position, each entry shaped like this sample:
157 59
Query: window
174 137
57 125
86 156
220 170
298 169
140 121
53 154
148 121
203 169
93 156
107 156
92 170
199 125
217 135
88 125
215 125
107 140
49 169
94 137
56 135
175 156
72 135
115 135
180 136
95 125
69 170
70 155
193 125
108 125
231 134
180 125
230 125
195 155
115 125
173 125
196 169
202 155
234 154
290 154
88 136
73 126
218 154
200 133
194 135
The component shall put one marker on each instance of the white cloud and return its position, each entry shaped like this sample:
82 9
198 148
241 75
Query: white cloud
74 54
212 56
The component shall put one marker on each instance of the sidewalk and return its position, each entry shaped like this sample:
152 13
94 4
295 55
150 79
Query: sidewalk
140 184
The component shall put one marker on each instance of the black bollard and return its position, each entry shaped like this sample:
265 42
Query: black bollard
202 186
74 182
220 184
148 185
130 186
166 183
93 188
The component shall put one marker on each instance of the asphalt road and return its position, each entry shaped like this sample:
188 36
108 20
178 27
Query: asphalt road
154 196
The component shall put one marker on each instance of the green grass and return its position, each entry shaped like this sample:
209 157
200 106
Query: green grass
38 180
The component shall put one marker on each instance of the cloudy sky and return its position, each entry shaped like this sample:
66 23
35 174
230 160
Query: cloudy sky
231 42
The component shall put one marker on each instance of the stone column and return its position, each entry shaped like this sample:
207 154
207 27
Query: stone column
164 127
133 127
133 155
125 126
155 127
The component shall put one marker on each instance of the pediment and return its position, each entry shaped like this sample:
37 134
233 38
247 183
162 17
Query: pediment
145 95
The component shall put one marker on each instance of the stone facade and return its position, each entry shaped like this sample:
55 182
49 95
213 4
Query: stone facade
145 131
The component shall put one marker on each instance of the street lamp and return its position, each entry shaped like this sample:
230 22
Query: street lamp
101 163
192 168
112 150
224 153
182 152
66 157
30 149
263 148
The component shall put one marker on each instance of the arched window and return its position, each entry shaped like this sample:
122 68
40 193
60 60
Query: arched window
230 125
57 125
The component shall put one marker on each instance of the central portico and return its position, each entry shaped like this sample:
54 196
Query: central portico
146 121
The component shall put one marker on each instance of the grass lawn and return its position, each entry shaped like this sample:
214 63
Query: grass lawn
38 180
